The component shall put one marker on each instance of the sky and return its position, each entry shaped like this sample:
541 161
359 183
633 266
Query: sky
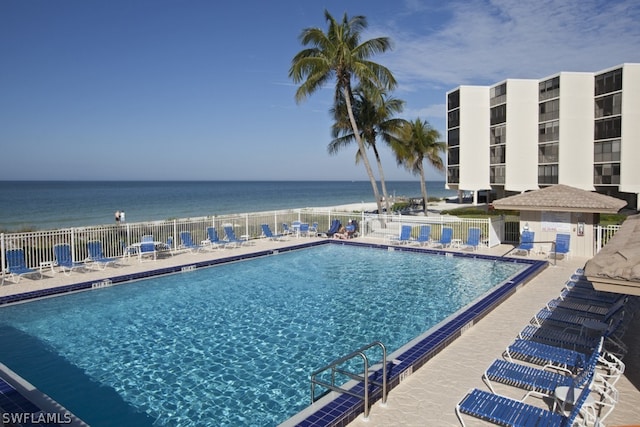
199 90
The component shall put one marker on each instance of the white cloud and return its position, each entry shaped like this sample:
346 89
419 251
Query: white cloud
486 41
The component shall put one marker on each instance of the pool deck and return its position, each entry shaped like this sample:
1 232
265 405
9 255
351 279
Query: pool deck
429 395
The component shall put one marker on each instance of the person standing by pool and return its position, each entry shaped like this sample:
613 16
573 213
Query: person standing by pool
117 217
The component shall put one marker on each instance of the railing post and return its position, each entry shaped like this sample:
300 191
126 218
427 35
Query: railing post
2 254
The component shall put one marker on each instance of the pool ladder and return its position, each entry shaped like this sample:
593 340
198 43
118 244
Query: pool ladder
364 377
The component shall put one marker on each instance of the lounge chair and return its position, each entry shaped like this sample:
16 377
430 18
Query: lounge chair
266 230
333 229
539 381
445 238
230 237
561 247
285 229
424 236
214 240
96 256
303 229
17 266
403 238
505 411
544 354
64 260
526 242
186 242
313 230
473 239
147 249
577 318
591 307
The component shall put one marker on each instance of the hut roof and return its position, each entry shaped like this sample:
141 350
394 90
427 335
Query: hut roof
561 198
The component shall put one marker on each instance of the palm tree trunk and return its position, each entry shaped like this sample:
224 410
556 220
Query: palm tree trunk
346 92
423 189
382 182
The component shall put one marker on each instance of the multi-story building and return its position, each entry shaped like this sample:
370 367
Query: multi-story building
577 129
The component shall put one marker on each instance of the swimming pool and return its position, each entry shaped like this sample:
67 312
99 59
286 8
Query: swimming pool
235 344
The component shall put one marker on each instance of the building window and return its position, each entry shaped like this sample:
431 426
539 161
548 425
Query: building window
498 135
547 174
608 173
608 82
453 137
549 131
497 154
608 128
548 153
453 175
606 151
498 94
453 118
453 156
549 110
608 106
496 174
549 89
453 100
499 114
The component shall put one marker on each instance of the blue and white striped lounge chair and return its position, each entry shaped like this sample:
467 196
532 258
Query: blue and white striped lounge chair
445 238
424 236
64 259
186 242
526 242
17 265
473 239
591 307
96 256
214 239
147 250
577 318
266 230
404 237
561 246
544 354
505 411
539 381
230 237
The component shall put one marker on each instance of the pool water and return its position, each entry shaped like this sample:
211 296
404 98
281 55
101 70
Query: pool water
232 344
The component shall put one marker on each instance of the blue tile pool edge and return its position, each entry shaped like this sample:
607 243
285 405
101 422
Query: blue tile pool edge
343 409
340 410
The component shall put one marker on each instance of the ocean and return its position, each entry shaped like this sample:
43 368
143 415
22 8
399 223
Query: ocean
43 205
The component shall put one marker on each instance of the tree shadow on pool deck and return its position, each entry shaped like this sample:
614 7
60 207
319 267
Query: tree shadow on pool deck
95 404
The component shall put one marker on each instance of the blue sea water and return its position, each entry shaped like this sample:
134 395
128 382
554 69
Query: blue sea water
60 204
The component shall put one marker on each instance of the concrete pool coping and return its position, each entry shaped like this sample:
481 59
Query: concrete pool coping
394 411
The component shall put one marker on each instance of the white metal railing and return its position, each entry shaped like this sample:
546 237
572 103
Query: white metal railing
603 235
38 245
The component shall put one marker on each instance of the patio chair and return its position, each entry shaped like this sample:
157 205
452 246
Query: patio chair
473 239
403 238
577 318
186 242
303 229
561 247
445 238
526 242
285 229
505 411
266 230
424 236
539 381
333 229
313 230
64 260
214 239
96 256
17 266
581 306
230 237
544 354
147 249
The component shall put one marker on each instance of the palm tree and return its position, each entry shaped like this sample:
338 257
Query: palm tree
339 54
374 112
415 142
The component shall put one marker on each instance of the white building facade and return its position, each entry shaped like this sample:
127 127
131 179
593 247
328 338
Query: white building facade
577 129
